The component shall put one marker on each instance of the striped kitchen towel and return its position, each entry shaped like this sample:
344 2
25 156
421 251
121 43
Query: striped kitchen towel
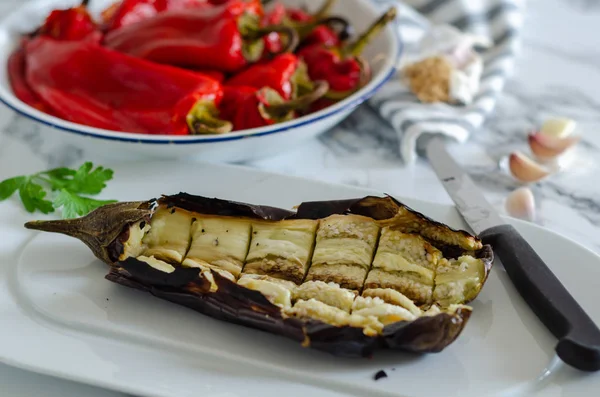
498 20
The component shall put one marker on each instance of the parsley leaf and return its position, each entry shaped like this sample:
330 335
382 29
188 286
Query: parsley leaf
58 177
9 186
33 196
85 180
60 173
68 184
74 205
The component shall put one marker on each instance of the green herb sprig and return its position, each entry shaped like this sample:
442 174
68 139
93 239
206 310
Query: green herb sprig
67 187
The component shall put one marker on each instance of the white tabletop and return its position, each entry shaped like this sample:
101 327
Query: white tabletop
557 74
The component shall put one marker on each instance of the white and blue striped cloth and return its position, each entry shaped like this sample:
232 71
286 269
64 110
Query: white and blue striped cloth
499 20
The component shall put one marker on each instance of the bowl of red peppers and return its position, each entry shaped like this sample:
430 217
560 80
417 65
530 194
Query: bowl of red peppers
222 80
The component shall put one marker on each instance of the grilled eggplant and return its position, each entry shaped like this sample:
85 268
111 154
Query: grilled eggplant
281 249
347 277
344 250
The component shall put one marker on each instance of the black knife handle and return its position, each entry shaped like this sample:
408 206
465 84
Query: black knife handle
579 337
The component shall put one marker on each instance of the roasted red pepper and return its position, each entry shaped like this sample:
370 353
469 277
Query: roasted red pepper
126 12
74 23
343 74
325 35
226 37
298 14
276 74
213 74
311 28
246 107
240 105
341 66
314 31
275 16
88 84
71 24
16 78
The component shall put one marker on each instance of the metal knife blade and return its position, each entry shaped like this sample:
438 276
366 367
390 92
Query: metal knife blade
469 200
578 336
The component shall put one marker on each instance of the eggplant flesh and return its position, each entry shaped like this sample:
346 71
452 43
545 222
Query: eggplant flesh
344 276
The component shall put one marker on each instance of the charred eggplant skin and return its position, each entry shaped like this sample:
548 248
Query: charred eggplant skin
220 207
238 305
106 229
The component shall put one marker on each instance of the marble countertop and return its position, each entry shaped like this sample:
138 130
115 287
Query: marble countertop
557 74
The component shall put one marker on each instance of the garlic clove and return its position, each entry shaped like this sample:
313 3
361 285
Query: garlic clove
548 146
520 203
558 127
525 169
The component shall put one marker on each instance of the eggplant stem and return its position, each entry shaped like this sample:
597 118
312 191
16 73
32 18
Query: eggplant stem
280 110
63 226
202 120
99 228
357 47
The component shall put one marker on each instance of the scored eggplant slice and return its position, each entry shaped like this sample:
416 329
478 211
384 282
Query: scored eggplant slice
405 262
169 235
344 250
281 249
218 243
346 276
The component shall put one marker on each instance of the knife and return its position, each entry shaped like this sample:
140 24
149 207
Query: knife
578 336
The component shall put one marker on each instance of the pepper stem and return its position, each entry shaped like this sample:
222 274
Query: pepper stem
202 120
253 33
325 9
292 36
85 3
304 84
305 28
273 107
358 46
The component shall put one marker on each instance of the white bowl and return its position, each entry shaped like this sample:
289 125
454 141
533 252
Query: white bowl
382 53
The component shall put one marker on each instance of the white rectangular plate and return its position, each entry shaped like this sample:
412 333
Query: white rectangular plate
61 317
